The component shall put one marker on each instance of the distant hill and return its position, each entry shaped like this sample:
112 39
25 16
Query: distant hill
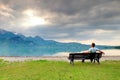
117 47
12 44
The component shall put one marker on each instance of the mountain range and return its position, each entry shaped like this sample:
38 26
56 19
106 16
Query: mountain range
13 44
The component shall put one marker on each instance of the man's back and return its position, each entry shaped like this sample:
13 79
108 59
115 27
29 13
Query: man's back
93 50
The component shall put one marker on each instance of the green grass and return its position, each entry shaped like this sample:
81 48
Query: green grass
59 70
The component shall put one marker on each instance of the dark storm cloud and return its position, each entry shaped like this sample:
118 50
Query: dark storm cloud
71 11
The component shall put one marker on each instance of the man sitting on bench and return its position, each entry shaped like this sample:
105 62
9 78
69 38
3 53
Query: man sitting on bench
92 52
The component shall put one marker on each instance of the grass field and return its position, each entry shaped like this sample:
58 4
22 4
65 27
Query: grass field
59 70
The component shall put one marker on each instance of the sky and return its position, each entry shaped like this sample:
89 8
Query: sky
82 21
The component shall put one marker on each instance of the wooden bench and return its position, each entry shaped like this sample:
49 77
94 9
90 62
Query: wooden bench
83 56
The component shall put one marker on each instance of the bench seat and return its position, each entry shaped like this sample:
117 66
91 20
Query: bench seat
81 56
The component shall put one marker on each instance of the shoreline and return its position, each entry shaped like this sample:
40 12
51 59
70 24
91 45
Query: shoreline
53 58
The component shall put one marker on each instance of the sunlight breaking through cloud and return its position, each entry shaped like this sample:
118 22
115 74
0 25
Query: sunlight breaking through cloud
64 20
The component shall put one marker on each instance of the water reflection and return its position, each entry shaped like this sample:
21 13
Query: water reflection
112 52
108 52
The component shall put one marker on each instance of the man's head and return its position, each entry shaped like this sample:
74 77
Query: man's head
93 45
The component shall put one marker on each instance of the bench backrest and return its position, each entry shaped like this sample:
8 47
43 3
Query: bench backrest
81 55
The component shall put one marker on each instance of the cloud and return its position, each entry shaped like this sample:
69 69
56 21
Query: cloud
5 11
69 20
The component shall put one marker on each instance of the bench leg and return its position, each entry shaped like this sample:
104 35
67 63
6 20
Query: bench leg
83 60
97 59
72 61
91 60
94 60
